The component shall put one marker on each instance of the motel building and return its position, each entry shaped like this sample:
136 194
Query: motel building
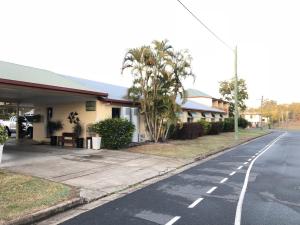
51 96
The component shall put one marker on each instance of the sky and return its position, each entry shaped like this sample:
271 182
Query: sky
89 39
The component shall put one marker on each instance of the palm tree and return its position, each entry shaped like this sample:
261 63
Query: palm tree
158 72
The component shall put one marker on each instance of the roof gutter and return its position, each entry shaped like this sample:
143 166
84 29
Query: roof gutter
198 110
118 101
51 87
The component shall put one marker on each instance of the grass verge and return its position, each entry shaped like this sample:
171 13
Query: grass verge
197 148
21 195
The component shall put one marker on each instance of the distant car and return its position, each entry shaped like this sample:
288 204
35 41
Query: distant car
11 125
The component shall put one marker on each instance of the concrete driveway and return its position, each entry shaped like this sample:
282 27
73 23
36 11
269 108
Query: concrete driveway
96 173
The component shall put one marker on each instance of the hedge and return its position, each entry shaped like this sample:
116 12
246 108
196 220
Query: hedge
116 133
188 131
206 126
216 128
228 125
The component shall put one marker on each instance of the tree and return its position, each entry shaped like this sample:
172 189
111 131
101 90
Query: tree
226 89
158 72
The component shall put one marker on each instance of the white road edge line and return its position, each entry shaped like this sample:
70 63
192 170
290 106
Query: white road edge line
224 180
238 213
172 221
240 167
232 173
195 203
211 190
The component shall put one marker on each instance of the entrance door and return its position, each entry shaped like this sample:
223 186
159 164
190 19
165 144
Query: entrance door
131 114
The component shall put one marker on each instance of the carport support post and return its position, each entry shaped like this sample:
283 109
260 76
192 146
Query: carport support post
17 121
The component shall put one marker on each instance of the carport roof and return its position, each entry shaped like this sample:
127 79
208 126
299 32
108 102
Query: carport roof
19 75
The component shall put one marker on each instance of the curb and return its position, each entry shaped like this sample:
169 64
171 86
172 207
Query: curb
46 213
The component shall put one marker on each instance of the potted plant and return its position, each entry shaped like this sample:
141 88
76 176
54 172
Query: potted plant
77 130
3 138
96 140
52 127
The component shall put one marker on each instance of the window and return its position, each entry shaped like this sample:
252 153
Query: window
190 117
116 112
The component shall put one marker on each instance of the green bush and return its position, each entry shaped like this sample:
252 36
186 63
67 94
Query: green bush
3 135
206 126
243 123
228 125
116 133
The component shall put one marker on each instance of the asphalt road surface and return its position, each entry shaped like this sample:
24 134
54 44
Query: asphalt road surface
257 183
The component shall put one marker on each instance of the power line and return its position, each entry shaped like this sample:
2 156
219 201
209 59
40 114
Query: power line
206 27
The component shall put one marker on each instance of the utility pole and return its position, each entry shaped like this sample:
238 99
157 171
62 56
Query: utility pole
261 112
236 92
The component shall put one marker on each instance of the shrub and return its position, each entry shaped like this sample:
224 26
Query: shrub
53 126
206 126
188 131
228 125
116 133
243 123
216 128
3 135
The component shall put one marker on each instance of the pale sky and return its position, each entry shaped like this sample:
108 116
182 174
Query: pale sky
89 39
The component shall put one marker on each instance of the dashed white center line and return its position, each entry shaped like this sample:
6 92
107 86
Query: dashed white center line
211 190
195 203
240 167
245 163
249 160
232 173
172 221
224 180
253 156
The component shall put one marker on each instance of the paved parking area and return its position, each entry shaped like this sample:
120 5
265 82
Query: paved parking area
95 172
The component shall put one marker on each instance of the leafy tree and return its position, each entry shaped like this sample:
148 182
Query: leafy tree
226 89
158 72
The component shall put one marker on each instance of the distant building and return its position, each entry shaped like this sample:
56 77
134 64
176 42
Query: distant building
209 101
254 119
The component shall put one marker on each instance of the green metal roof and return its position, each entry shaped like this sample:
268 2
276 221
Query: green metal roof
197 93
15 72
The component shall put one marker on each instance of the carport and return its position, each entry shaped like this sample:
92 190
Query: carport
41 89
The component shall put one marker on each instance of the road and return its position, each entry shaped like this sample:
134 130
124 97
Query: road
257 183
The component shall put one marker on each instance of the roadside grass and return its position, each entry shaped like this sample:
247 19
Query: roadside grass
21 195
197 148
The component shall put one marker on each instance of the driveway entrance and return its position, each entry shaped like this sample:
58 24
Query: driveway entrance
95 172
